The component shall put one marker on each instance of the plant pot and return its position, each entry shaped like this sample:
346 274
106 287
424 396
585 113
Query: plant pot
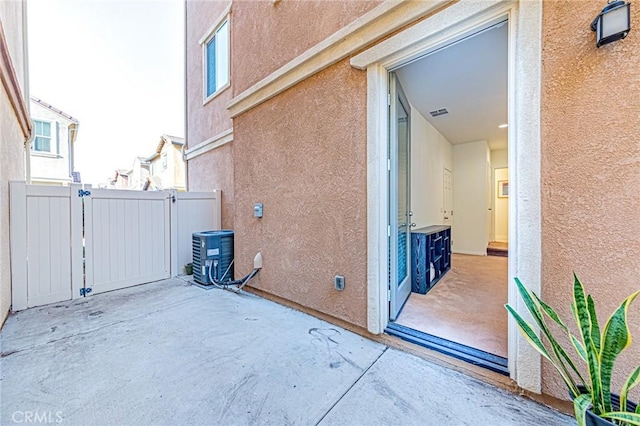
593 419
188 268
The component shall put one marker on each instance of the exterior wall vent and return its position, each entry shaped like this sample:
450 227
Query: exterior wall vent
437 112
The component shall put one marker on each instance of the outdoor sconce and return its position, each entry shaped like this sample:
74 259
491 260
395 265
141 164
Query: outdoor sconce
613 23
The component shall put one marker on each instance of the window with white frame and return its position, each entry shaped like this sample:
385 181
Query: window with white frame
43 141
215 50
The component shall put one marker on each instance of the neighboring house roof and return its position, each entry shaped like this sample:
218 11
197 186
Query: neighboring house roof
164 139
74 123
54 109
122 172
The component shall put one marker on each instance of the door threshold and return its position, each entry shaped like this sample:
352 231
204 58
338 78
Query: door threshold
457 350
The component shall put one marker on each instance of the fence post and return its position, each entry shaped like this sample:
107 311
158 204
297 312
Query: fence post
173 224
18 244
88 240
77 231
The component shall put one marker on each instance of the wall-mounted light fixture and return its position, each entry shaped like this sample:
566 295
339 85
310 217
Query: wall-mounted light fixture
613 23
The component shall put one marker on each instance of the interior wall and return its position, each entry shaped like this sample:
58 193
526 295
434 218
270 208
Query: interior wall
501 208
471 198
500 219
590 170
431 153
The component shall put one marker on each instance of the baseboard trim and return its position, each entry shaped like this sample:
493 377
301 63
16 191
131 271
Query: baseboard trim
470 253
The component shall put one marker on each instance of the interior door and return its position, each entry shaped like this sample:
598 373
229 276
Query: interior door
447 218
399 198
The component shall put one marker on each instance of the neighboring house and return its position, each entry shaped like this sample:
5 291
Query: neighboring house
52 150
121 179
166 165
15 126
164 169
293 113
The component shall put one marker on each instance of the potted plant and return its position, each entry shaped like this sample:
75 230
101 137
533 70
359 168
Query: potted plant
593 401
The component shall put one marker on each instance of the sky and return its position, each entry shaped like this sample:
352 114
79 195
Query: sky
118 67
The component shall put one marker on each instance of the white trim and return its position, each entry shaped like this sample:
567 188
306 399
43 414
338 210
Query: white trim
525 24
54 150
378 22
377 196
525 217
430 33
216 93
44 154
211 143
216 24
204 41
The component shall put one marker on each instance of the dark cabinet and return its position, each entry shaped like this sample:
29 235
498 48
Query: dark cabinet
429 246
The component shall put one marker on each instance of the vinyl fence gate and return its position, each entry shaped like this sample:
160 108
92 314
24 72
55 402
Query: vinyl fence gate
74 241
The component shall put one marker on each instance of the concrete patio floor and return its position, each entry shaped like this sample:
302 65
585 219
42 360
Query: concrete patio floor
172 353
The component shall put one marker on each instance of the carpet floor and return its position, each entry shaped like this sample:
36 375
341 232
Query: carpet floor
466 306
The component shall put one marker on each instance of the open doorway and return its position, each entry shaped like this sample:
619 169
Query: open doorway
449 218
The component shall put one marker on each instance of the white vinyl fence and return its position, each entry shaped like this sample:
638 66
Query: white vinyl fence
70 242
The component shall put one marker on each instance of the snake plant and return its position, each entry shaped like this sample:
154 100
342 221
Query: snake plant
596 348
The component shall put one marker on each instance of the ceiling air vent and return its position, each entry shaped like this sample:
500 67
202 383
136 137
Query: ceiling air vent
437 112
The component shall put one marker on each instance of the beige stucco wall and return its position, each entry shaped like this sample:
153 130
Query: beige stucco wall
11 145
271 34
207 120
310 176
590 167
214 170
11 13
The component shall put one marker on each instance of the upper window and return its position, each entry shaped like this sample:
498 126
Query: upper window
164 161
216 59
43 141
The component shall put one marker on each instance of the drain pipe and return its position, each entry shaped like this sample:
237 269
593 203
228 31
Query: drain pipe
239 284
27 153
27 94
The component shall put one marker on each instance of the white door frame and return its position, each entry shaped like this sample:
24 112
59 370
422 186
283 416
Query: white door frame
445 27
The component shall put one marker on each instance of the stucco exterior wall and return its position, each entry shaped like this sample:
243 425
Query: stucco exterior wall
310 176
215 170
11 13
12 160
283 31
590 168
207 120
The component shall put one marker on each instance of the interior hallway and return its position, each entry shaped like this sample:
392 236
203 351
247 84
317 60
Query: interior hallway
466 306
